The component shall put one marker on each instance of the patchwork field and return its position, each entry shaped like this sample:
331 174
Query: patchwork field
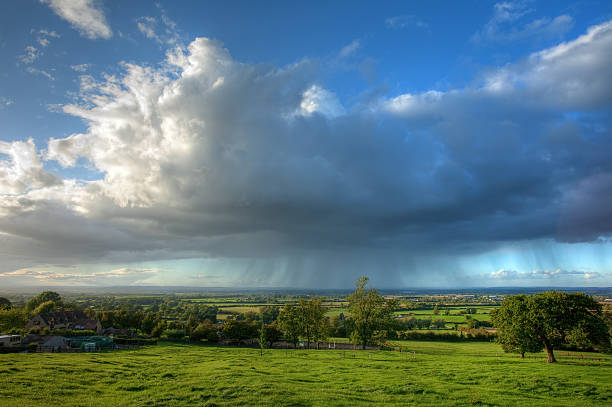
436 374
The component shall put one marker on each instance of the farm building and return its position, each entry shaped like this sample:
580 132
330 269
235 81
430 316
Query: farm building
64 320
55 344
10 341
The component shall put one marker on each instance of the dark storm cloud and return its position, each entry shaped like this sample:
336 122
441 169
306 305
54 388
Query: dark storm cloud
230 160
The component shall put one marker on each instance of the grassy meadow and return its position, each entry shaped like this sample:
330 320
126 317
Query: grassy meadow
436 374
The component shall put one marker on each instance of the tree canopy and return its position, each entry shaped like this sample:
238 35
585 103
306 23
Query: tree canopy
549 319
369 312
43 297
290 324
5 304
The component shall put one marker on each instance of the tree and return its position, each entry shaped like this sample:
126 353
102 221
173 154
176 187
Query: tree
47 306
369 311
313 325
159 329
239 329
12 320
549 319
513 331
263 339
5 304
205 330
273 334
268 314
289 323
44 297
149 322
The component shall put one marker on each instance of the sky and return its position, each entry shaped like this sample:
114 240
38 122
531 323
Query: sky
304 144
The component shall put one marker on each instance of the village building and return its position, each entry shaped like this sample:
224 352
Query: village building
75 320
55 344
10 341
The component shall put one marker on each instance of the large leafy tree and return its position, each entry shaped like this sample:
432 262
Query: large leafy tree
313 325
369 311
43 297
239 330
290 324
513 332
546 320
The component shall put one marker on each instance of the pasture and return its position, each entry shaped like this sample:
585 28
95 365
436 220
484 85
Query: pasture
436 374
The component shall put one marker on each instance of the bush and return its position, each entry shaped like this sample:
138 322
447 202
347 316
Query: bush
240 330
175 334
206 331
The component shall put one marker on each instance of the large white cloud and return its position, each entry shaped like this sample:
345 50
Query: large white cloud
210 157
23 169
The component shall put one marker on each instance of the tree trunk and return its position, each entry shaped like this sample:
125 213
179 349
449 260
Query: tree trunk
549 351
522 355
363 345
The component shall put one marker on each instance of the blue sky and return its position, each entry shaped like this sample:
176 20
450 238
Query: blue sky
425 144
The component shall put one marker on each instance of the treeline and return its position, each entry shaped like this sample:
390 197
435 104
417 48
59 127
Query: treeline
370 320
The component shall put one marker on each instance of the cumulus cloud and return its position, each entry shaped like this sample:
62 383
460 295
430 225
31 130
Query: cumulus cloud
22 169
318 100
209 157
505 25
84 15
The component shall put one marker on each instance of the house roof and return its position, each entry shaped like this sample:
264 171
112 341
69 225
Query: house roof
63 316
68 317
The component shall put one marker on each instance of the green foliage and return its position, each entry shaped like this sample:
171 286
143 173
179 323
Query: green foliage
369 311
289 323
12 320
268 314
548 320
273 333
439 323
313 325
47 306
239 330
159 329
45 296
175 334
262 340
5 304
206 330
453 336
149 321
339 326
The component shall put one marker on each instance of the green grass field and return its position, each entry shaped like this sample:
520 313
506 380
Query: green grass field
441 374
